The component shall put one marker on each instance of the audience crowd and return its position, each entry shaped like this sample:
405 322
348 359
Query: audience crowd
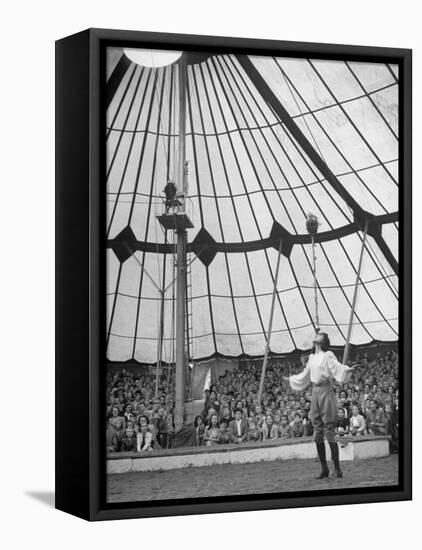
137 420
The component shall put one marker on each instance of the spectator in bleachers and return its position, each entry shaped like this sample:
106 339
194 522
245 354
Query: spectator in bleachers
342 424
357 422
144 438
238 428
254 433
343 402
199 430
116 416
212 434
224 430
131 396
269 429
128 441
226 415
120 432
308 428
375 421
284 429
164 427
112 443
296 425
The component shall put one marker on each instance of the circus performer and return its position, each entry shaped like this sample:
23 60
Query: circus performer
321 370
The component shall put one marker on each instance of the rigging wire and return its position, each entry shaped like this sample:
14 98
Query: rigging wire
381 266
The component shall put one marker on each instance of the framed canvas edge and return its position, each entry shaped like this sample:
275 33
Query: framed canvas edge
98 509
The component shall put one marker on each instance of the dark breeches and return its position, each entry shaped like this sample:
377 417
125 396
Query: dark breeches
323 412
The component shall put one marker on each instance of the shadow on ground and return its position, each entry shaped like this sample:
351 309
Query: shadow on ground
45 497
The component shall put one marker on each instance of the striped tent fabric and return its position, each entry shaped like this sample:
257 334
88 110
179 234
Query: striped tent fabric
268 141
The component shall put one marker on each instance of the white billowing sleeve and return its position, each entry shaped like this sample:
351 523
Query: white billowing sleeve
340 372
301 381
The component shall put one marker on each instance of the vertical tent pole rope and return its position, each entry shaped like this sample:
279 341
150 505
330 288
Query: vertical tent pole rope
312 225
315 284
355 294
270 326
173 315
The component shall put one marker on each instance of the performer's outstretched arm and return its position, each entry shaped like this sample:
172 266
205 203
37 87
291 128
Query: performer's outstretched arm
341 373
299 382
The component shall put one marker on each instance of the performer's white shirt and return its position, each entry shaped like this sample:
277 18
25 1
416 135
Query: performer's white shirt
322 366
239 427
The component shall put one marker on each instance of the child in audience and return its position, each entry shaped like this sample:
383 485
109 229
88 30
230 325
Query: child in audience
297 426
254 433
357 422
308 428
284 429
342 424
224 431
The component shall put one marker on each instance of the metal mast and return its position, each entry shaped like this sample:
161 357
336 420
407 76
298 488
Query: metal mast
181 258
178 221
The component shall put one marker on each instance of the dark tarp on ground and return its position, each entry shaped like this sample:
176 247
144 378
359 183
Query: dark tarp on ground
184 438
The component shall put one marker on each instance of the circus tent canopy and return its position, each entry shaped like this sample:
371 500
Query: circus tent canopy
268 141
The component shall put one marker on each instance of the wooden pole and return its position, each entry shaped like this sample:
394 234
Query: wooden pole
160 343
181 260
270 327
315 284
355 294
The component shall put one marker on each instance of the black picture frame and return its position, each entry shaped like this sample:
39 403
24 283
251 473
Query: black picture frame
80 273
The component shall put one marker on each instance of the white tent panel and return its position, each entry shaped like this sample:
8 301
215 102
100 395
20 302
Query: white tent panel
373 75
390 233
229 344
386 101
339 79
121 349
247 171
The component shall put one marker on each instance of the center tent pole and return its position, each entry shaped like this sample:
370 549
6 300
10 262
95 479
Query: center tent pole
181 258
355 294
270 326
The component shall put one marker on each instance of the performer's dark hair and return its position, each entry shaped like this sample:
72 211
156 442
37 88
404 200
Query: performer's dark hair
325 344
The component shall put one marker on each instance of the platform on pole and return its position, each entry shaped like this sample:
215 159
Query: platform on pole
175 221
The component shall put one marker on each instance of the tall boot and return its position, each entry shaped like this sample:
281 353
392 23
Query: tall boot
335 458
320 445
